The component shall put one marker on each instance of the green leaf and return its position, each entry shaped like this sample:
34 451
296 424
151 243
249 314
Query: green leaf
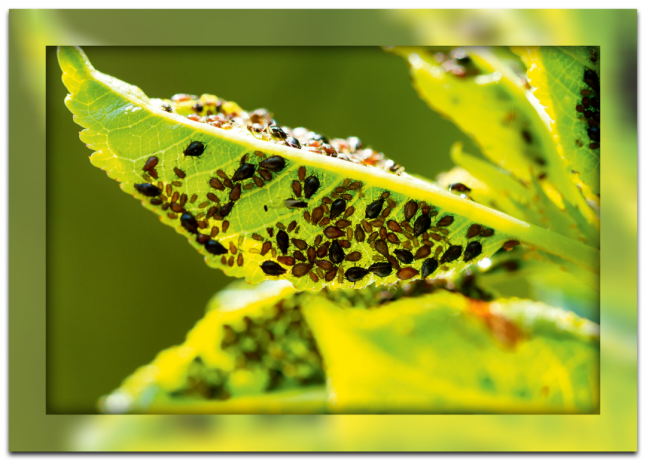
484 95
445 353
558 73
127 129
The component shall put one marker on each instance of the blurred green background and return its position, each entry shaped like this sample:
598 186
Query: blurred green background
122 287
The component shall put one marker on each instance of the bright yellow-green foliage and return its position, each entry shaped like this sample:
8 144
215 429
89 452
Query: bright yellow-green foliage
431 353
127 130
558 74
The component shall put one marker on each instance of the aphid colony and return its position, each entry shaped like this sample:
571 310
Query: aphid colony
228 115
276 349
589 105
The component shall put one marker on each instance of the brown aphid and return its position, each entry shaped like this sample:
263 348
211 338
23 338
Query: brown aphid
359 234
307 216
386 212
355 185
216 183
318 240
223 260
325 221
177 208
225 226
296 187
232 248
333 232
202 224
302 172
169 189
258 181
183 199
270 231
326 209
281 226
176 183
301 270
317 213
348 212
339 190
248 186
257 237
392 238
423 252
445 221
394 262
407 245
179 173
298 255
322 250
231 261
292 226
300 244
349 234
373 236
326 200
151 163
377 223
325 265
426 209
486 232
214 232
212 197
203 205
342 223
383 233
156 201
329 276
274 253
346 196
240 260
193 198
234 195
406 226
313 277
394 226
381 247
266 246
353 256
435 236
459 187
222 174
199 216
286 260
202 238
311 254
510 244
345 244
266 175
407 273
172 215
154 175
474 230
366 226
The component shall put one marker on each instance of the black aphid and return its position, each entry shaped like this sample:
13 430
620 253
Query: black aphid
336 252
311 186
594 134
194 149
473 250
148 189
272 268
245 171
282 240
273 163
404 256
592 79
355 274
374 208
215 248
151 163
293 142
189 222
428 267
451 254
226 209
278 132
381 269
337 208
422 224
291 203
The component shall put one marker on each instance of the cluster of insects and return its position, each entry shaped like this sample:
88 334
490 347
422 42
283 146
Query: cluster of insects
457 62
228 115
589 107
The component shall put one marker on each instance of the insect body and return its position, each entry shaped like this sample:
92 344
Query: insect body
194 149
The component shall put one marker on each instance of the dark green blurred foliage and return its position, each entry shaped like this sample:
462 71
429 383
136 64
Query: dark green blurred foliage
121 287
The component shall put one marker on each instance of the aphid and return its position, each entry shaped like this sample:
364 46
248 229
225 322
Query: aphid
381 247
225 226
151 163
374 208
316 215
381 269
240 260
266 246
148 189
244 171
474 230
422 224
258 181
322 250
176 183
232 248
301 173
393 261
183 199
359 234
273 163
291 203
404 256
311 254
292 226
329 276
282 241
326 200
257 237
460 187
444 221
313 277
194 149
176 207
592 79
426 209
473 250
337 208
179 173
296 188
373 236
394 226
333 232
215 248
451 254
172 215
156 201
339 190
165 206
286 260
324 265
234 195
377 223
301 270
265 208
293 142
356 274
423 251
272 268
486 232
212 197
383 233
343 223
189 222
336 253
166 108
202 238
298 255
407 273
216 183
349 234
510 244
300 244
345 244
355 185
226 209
392 238
203 205
594 146
318 240
428 267
594 134
385 213
348 212
278 132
